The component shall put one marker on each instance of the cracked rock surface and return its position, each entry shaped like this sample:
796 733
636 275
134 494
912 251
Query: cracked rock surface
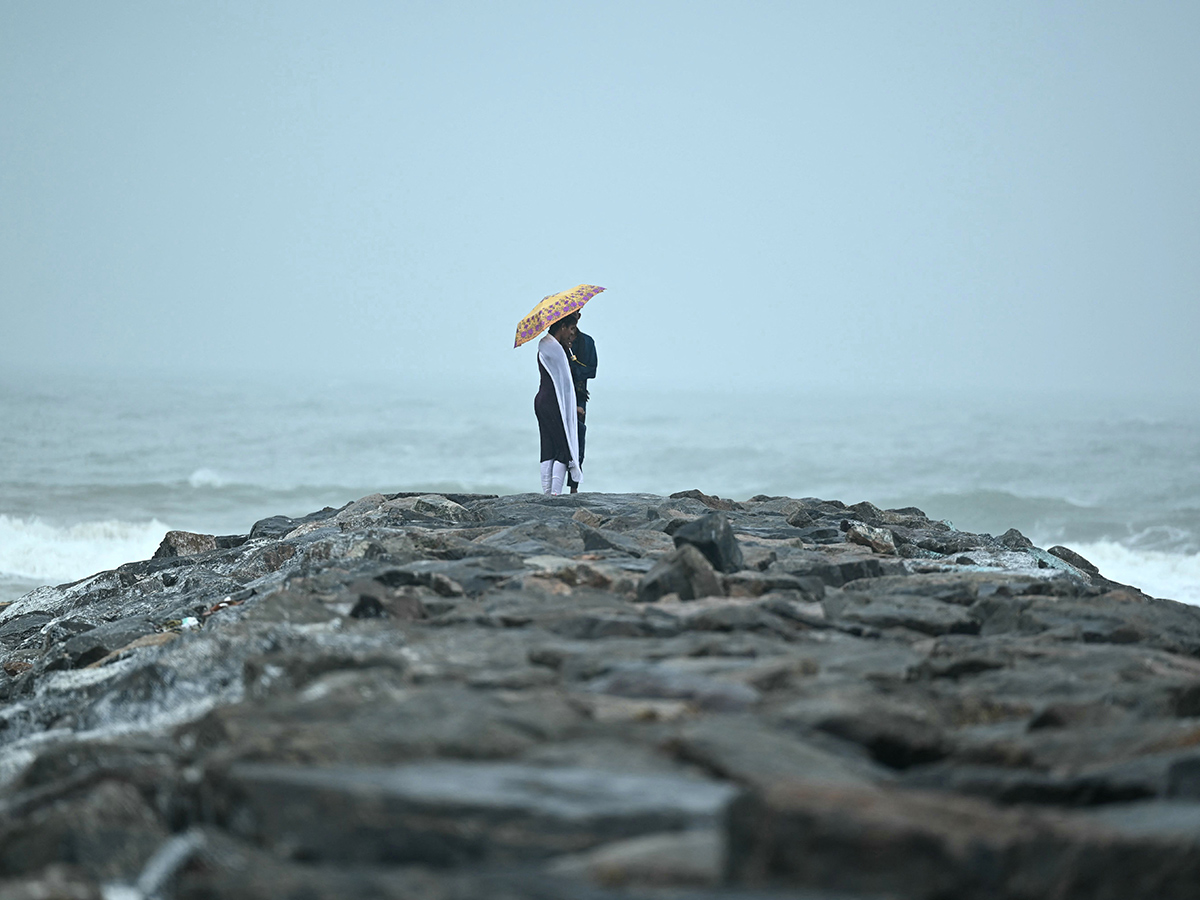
600 696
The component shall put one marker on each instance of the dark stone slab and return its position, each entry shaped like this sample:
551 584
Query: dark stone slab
445 813
929 846
685 572
712 535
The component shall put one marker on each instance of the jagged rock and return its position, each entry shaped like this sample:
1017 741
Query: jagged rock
712 536
876 705
1014 540
447 813
1070 556
893 735
667 683
443 508
754 584
743 750
673 859
184 543
96 643
878 539
684 572
707 500
56 882
278 526
926 846
108 830
803 518
910 611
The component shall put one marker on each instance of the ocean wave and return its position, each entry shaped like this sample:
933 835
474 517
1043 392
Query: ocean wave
1049 520
206 478
1172 576
33 550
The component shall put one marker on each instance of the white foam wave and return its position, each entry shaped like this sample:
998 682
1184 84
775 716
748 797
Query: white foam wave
36 551
203 478
1174 576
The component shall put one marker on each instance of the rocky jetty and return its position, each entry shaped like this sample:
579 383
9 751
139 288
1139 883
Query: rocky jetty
599 696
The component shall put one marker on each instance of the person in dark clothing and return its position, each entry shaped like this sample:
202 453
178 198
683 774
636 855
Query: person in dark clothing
556 408
583 368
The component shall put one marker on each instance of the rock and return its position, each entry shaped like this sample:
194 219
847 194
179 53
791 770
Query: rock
974 716
1070 556
279 526
184 543
754 584
684 572
444 813
672 859
911 611
667 683
743 750
803 518
709 501
55 882
442 508
97 643
108 830
878 539
1014 540
894 736
712 536
930 846
868 512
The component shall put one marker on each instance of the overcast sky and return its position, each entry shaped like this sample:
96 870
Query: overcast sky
972 194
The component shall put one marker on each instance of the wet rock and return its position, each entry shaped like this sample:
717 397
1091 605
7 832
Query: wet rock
56 882
1070 556
707 500
1014 540
741 749
184 543
894 735
109 831
712 536
97 643
18 630
278 526
667 683
755 584
875 705
930 846
878 539
444 814
673 859
684 572
803 518
443 508
913 612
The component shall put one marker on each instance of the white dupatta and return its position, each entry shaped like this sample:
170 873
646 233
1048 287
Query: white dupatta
554 358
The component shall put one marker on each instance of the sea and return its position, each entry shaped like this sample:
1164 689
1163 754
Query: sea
95 469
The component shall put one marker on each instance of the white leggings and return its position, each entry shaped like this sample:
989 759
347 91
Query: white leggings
553 475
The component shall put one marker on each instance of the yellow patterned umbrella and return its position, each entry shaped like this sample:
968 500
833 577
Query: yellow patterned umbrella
553 308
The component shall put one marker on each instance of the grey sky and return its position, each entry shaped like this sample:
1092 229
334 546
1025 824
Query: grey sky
928 193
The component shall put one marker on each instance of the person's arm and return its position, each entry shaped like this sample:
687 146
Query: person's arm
583 366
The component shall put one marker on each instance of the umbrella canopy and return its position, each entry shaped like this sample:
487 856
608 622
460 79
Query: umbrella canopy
553 308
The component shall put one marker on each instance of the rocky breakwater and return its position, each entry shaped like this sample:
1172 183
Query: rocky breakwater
600 696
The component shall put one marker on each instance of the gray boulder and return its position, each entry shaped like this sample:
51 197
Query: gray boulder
712 536
685 571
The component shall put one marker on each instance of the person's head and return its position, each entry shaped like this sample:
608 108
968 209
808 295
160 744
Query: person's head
565 329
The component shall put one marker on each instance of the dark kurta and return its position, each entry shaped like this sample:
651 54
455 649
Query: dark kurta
583 367
550 423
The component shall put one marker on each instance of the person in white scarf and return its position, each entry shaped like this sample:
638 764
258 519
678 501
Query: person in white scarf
555 408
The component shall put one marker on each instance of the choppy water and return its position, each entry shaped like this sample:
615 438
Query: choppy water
93 472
